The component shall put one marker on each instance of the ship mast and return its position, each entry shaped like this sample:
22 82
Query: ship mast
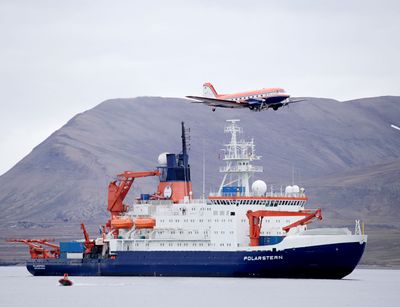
238 155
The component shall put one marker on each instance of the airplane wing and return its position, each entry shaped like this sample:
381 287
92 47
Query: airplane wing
218 103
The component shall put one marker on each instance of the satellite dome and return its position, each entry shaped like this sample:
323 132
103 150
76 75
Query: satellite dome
295 189
162 159
289 189
259 187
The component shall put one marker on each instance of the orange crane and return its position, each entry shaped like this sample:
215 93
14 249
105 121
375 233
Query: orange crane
118 189
37 248
89 244
256 217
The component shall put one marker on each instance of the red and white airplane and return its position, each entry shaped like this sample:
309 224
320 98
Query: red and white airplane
266 98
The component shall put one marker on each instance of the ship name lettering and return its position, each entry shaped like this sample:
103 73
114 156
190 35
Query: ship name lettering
39 266
262 258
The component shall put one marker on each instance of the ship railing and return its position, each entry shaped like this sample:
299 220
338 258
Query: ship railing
267 194
240 168
155 202
239 157
194 201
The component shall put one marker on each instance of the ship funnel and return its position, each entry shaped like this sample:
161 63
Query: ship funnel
175 183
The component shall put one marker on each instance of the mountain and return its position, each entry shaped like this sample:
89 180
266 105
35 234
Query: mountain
344 153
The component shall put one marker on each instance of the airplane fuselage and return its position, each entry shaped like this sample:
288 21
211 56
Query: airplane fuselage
257 100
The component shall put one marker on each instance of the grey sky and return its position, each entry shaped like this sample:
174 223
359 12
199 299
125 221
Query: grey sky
59 58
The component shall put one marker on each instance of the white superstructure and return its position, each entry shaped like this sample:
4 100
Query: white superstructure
227 220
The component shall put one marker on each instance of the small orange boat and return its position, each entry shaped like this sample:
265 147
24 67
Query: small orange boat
145 223
122 223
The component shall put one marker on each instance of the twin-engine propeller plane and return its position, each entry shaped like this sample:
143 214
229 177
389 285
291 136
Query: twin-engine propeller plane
266 98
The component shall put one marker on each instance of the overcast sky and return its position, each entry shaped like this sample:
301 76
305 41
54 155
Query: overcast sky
59 58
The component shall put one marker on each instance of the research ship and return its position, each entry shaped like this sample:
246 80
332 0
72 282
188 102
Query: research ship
245 229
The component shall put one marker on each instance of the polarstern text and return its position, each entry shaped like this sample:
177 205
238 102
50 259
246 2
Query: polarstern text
262 258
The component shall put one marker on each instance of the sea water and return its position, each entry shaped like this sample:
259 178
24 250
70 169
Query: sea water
364 287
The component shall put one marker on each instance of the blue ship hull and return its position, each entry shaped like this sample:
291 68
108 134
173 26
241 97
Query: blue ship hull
324 261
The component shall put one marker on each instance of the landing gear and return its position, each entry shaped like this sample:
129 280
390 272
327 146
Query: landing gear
213 109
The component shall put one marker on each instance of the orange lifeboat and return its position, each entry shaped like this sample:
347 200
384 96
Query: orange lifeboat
145 223
121 223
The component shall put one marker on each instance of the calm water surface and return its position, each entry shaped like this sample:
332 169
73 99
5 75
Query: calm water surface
361 288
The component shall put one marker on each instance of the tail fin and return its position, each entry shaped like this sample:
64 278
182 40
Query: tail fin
209 90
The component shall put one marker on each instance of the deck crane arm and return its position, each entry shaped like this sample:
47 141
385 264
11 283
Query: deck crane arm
118 189
316 214
89 244
36 248
255 221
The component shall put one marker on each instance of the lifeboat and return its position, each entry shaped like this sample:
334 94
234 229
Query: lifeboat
122 223
145 223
